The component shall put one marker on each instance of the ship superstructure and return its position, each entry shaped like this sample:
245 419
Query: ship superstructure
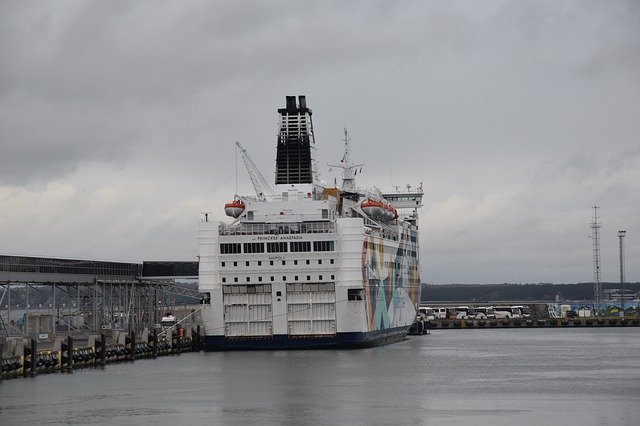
312 266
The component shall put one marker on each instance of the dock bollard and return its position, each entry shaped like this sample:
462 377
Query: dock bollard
103 349
132 346
154 342
175 342
66 355
29 358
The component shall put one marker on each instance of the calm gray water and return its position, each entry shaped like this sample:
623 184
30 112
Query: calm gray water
482 377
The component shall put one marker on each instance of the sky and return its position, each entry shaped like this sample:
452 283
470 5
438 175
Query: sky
118 122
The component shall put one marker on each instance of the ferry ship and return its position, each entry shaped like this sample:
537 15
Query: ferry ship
314 266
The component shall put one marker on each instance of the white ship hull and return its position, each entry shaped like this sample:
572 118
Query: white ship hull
308 269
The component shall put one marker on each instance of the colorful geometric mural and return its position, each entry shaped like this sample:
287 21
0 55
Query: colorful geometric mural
391 281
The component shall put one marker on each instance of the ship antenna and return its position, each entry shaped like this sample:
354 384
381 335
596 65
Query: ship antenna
348 169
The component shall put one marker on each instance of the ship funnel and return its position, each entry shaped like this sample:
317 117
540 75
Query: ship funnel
296 145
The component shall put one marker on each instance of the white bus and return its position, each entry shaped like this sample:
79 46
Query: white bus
507 312
484 312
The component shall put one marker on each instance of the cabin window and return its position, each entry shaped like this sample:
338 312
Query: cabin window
284 278
230 248
248 279
300 246
246 263
333 277
272 278
320 277
250 215
280 247
295 262
323 246
354 294
253 247
259 262
224 280
295 278
260 279
223 264
235 279
325 214
308 277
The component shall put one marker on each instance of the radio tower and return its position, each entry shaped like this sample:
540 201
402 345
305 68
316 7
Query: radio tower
595 237
621 235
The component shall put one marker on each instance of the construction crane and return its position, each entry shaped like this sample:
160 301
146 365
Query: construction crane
259 182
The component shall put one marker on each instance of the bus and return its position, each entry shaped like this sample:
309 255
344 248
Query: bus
507 312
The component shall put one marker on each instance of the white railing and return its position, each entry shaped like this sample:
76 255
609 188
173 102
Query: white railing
277 229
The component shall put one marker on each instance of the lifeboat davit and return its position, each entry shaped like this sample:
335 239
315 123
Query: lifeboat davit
234 208
378 210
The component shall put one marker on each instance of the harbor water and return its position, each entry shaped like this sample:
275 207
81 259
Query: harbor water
577 376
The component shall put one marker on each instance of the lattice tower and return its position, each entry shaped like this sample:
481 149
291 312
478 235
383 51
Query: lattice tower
595 237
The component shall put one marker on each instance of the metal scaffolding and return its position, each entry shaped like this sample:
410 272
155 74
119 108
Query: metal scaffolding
44 296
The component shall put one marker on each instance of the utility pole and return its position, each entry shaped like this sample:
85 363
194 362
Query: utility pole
621 235
595 237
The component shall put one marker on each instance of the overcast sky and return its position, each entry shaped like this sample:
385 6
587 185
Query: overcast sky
118 122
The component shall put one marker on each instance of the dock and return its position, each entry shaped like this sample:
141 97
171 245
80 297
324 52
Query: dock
23 358
453 324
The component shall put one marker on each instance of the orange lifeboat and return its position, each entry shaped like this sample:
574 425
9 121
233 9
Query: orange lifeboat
234 208
378 210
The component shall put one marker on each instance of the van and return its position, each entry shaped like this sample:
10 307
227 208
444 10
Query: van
427 313
440 313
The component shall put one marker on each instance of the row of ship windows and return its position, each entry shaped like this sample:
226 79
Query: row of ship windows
271 262
387 249
266 288
276 247
273 278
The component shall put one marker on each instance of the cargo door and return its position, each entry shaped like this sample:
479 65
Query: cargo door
247 310
311 309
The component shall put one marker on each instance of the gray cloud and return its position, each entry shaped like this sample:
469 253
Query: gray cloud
517 116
